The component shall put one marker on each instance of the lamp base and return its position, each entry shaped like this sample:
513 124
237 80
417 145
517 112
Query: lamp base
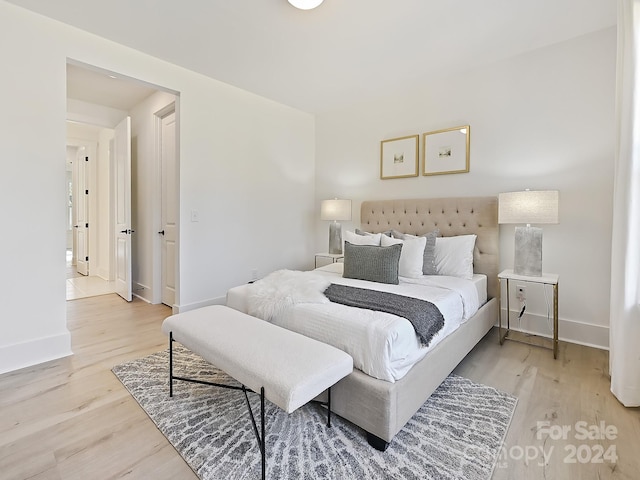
335 238
528 252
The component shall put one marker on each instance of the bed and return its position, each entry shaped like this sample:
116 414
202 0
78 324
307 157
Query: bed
383 405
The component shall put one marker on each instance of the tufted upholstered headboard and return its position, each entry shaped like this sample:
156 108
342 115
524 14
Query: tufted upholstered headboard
452 216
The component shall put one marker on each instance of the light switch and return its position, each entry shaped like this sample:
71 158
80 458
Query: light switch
195 216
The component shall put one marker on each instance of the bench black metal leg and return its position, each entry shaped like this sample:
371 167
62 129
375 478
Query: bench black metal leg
263 446
259 436
170 364
326 404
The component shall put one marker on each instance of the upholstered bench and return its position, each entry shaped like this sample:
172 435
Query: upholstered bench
284 367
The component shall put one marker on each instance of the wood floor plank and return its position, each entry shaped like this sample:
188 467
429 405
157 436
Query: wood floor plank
72 419
563 392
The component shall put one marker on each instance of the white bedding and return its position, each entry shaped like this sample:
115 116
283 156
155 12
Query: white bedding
382 345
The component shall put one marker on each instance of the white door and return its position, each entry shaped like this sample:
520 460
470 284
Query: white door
169 217
122 195
81 201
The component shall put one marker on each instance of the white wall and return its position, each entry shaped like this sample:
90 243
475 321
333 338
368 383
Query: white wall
543 120
247 165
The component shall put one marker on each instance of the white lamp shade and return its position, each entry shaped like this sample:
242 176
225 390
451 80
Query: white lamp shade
305 4
529 206
335 209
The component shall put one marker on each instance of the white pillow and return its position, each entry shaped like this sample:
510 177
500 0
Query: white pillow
411 256
368 239
454 256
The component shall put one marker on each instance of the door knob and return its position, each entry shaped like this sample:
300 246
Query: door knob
161 232
128 232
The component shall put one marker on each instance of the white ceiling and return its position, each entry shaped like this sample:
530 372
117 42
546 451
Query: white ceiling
94 86
342 52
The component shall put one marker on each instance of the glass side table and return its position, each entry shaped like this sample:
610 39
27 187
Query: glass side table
546 279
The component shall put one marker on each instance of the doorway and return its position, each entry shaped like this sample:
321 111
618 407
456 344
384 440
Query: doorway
88 268
102 99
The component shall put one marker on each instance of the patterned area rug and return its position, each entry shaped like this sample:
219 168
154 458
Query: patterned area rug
457 433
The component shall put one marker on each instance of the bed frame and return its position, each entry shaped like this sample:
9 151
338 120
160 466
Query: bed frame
382 408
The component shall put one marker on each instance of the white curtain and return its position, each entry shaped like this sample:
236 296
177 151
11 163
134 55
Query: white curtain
624 356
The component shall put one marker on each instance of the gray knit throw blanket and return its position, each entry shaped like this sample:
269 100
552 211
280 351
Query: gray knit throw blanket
426 318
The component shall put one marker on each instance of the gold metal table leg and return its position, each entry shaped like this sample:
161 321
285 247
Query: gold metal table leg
555 321
500 310
500 329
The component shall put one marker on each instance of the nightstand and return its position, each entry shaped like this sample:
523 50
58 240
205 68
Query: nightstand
544 280
334 257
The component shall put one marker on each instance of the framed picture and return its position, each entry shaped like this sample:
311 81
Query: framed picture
446 151
399 157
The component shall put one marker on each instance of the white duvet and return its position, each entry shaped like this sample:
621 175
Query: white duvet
382 345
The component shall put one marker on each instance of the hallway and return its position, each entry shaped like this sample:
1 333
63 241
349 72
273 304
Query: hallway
80 286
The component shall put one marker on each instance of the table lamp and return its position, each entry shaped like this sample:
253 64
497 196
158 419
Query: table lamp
335 210
528 207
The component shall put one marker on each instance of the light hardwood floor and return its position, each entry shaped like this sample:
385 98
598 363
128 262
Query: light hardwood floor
554 395
82 286
72 419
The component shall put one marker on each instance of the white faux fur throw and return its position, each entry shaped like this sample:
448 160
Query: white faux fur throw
281 289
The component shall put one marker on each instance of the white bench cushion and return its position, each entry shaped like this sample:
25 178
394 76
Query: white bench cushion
292 368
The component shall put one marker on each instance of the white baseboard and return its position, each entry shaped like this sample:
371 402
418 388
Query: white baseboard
142 291
103 273
572 331
26 354
141 298
204 303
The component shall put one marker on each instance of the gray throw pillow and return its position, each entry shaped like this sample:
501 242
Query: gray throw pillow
388 233
372 263
429 257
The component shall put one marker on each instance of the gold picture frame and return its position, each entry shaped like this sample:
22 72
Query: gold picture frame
399 157
446 151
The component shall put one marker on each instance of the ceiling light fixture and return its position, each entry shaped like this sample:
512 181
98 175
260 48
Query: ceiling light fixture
305 4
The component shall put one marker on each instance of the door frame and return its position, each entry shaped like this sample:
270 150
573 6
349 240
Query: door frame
172 107
102 121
